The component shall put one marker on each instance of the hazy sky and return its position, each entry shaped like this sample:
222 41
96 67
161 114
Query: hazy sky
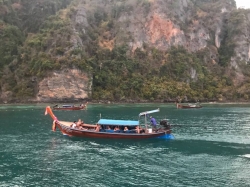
243 3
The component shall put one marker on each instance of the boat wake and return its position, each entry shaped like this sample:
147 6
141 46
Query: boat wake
246 155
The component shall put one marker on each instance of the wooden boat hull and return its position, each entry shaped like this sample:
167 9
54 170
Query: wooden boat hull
187 107
94 131
66 130
72 108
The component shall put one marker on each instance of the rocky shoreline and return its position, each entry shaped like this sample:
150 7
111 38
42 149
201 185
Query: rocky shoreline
125 101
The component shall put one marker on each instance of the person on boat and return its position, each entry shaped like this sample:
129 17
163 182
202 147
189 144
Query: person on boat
153 122
116 128
73 125
126 128
83 105
98 127
137 129
79 124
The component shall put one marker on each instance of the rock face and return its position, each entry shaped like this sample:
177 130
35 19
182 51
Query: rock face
178 23
195 25
65 85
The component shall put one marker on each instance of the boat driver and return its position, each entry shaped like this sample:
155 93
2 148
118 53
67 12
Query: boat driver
153 122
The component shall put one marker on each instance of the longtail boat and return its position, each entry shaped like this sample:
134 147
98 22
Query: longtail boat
188 106
70 107
109 128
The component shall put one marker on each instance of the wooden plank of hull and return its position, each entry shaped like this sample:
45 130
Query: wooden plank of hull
71 107
74 108
93 134
187 107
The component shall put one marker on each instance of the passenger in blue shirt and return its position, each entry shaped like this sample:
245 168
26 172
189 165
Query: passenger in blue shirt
153 122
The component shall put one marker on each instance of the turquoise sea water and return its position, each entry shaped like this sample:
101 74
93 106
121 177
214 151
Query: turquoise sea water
211 148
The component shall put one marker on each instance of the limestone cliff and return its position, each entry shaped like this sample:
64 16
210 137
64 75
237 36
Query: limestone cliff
62 52
66 85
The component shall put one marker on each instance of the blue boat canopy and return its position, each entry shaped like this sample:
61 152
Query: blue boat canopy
118 122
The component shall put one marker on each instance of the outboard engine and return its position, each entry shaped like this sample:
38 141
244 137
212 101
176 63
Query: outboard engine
165 124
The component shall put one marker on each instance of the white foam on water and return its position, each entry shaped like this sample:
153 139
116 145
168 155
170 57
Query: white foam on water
246 155
93 143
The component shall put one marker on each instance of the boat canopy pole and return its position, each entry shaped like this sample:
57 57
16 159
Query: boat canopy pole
149 112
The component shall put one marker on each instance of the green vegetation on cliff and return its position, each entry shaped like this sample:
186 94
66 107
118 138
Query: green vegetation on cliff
40 37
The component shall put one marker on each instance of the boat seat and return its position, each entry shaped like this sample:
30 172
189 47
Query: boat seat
89 126
130 131
118 131
107 130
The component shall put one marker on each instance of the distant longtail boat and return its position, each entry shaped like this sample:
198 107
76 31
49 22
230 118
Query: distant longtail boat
188 106
70 107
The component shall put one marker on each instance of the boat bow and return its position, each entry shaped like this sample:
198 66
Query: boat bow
49 111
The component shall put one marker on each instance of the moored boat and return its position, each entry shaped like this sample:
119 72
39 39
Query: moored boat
188 106
109 128
70 107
